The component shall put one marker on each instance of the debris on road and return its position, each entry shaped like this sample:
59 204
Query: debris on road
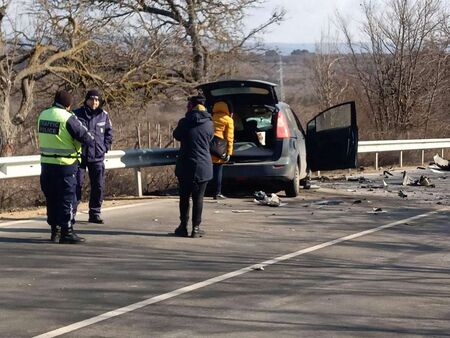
359 179
402 194
423 181
258 268
387 173
377 211
406 179
329 202
357 202
441 163
272 201
242 211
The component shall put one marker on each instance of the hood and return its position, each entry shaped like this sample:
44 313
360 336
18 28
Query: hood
221 107
198 115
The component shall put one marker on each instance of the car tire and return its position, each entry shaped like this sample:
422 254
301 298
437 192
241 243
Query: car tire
293 187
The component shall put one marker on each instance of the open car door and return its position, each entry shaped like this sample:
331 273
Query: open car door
332 138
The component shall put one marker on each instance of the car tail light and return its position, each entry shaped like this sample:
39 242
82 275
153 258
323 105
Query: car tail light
283 130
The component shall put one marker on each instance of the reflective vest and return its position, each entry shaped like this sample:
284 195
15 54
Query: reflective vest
56 144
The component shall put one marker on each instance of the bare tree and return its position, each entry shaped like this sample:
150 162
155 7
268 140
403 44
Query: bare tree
205 26
53 47
329 83
403 67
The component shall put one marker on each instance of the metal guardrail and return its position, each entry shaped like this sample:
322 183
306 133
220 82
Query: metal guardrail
402 145
25 166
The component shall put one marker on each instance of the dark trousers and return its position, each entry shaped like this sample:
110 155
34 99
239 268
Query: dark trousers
58 183
217 178
96 172
195 190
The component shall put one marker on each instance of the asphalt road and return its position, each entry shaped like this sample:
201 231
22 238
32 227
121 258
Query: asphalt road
328 268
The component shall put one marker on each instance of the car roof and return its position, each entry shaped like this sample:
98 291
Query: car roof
235 81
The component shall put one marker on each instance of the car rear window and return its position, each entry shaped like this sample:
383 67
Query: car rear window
239 90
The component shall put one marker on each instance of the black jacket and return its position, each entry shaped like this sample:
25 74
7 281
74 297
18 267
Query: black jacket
99 125
194 131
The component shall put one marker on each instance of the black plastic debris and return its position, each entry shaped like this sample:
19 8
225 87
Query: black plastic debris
402 194
329 202
387 173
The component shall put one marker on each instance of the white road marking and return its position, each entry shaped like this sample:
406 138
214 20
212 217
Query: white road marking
221 278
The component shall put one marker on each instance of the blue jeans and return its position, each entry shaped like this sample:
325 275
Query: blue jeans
217 178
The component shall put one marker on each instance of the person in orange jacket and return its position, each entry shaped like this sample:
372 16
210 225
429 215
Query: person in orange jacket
223 128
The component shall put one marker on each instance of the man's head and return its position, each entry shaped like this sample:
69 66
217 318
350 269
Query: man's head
195 100
93 98
64 99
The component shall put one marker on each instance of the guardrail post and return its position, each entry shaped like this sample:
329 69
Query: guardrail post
138 176
401 159
423 157
376 161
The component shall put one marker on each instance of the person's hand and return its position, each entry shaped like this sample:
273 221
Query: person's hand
226 158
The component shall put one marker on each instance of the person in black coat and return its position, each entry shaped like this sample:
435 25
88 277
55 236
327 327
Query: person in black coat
194 166
97 121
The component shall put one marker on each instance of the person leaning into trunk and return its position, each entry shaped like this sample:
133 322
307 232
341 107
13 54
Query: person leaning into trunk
60 138
97 121
224 129
194 165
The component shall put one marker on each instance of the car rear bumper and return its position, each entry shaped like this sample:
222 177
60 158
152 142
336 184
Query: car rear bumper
281 170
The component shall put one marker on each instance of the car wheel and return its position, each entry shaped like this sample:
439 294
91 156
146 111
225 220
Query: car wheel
293 187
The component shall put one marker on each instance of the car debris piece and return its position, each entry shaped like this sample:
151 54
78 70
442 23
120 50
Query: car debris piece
258 268
385 184
387 173
272 201
359 179
242 211
441 163
425 182
406 179
377 211
402 194
329 202
357 202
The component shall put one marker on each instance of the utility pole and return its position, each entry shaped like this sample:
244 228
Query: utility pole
280 63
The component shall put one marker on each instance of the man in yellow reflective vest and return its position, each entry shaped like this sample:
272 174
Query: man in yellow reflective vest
60 138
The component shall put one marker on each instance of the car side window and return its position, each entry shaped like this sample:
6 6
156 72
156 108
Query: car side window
293 120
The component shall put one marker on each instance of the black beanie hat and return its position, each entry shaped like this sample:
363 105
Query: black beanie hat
93 93
64 98
198 99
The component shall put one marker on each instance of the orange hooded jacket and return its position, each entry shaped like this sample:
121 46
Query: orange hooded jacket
223 127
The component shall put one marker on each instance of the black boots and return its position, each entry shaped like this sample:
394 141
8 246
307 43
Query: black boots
96 219
70 237
196 232
55 234
181 231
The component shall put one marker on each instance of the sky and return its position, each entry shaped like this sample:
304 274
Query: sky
306 19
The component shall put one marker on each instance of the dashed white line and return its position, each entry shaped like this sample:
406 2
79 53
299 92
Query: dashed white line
218 279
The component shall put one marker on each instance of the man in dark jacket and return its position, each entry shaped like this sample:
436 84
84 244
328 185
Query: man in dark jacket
194 165
97 121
